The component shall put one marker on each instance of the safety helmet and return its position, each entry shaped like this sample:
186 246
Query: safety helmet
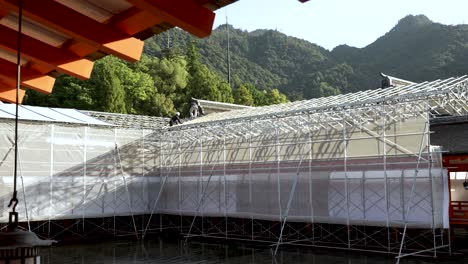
177 114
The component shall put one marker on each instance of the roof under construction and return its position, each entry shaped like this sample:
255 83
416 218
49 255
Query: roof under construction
448 97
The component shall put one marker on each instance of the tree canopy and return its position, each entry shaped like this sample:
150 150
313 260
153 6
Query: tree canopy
156 85
416 49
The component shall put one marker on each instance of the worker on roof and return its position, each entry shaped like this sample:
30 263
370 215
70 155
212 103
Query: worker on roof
200 109
193 111
175 120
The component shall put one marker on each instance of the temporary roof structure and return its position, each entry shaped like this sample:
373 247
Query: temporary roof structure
452 88
50 115
444 97
65 37
128 120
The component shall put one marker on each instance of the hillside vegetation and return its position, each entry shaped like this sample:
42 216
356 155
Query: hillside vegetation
266 65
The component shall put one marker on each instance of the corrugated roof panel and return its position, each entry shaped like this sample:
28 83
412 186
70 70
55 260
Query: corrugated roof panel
45 114
23 113
77 115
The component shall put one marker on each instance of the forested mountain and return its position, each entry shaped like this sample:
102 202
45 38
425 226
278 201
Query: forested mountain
177 66
156 85
416 49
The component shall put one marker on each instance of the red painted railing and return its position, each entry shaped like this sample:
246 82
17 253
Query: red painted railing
459 212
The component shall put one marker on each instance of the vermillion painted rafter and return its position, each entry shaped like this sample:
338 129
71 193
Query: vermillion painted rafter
40 52
29 78
80 27
186 14
66 36
8 94
134 20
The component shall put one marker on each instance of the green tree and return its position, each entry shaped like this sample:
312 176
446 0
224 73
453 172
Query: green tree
243 96
68 92
203 83
275 97
169 76
108 91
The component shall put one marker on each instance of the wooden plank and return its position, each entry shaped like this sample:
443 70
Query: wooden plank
8 94
29 78
79 26
186 14
37 51
134 20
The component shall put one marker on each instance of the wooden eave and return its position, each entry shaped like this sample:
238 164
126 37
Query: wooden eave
66 36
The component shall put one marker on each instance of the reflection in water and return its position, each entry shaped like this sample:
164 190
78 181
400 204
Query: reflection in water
174 252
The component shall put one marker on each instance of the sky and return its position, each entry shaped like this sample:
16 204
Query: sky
330 23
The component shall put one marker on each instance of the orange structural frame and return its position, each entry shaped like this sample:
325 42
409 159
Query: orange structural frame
187 14
8 94
29 78
80 27
66 39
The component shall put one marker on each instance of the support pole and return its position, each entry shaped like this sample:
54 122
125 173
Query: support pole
201 180
250 184
431 182
284 217
413 187
226 195
84 176
179 182
161 166
383 116
278 172
200 202
345 167
51 175
310 178
24 191
115 185
155 203
286 212
144 188
126 188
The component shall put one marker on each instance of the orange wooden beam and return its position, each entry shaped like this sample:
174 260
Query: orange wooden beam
40 52
29 78
81 27
134 20
8 94
186 14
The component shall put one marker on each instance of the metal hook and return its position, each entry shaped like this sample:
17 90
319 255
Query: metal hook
13 200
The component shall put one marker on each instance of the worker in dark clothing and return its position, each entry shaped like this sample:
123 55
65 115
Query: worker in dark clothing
175 120
200 109
385 83
193 109
196 109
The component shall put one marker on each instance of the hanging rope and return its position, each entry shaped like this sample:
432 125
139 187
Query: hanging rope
13 218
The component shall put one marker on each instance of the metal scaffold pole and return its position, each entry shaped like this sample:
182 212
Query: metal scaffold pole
292 193
409 205
345 168
51 175
84 176
130 204
383 116
310 177
251 207
226 195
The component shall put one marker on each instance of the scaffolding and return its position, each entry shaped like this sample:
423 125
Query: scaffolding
353 171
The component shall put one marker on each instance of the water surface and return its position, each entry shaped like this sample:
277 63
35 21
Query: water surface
196 252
